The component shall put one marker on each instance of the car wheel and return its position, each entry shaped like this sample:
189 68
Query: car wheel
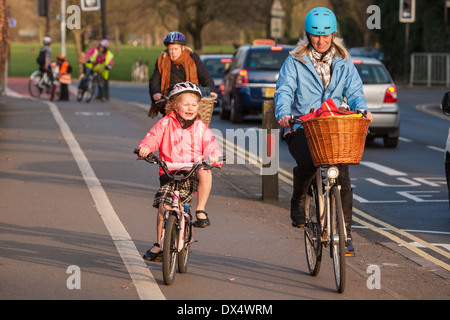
236 115
390 142
223 114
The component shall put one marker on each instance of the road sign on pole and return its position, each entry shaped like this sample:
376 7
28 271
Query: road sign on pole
276 21
90 5
407 11
277 9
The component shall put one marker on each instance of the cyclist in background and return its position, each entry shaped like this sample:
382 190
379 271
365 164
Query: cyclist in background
101 60
44 58
317 69
178 63
181 137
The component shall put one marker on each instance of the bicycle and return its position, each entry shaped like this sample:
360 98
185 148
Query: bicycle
89 87
325 225
177 232
40 83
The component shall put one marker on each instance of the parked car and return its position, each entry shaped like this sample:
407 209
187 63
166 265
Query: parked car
216 64
381 96
446 109
368 52
251 79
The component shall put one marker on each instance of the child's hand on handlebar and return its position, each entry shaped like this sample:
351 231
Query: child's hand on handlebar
144 152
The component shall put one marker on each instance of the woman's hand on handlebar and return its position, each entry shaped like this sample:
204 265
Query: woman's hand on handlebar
369 115
157 96
284 121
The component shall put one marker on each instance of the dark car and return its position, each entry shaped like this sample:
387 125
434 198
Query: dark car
216 64
251 79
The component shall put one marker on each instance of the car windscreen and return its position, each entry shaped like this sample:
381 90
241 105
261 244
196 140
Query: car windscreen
266 59
216 66
373 74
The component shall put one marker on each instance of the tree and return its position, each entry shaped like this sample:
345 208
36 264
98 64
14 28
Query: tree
4 36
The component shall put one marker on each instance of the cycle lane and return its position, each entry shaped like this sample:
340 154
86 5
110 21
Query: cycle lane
50 228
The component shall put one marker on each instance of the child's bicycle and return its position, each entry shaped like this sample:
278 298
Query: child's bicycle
177 233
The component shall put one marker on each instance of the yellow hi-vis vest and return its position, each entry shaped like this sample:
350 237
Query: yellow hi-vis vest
101 68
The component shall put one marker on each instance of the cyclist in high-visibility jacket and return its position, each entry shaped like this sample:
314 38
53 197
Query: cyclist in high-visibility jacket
64 76
99 59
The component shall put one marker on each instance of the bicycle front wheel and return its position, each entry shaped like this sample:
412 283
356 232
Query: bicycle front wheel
337 249
183 255
170 250
92 85
312 236
33 84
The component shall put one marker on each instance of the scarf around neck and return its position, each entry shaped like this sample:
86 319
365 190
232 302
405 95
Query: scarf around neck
165 65
322 64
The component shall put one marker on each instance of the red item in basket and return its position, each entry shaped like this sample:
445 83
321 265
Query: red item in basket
328 108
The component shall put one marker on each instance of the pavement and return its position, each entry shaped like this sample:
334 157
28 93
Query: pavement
242 196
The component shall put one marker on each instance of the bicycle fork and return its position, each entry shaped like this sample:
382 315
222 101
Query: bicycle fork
325 208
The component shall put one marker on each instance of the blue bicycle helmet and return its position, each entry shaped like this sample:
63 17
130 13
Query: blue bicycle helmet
320 22
174 37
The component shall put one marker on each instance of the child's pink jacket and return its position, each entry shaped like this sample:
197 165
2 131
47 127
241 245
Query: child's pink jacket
179 145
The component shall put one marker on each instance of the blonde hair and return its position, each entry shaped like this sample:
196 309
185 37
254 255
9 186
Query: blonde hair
172 105
304 47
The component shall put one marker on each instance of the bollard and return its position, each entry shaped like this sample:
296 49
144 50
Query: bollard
270 140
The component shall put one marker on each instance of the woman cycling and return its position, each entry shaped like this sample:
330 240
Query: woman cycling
181 137
317 69
178 63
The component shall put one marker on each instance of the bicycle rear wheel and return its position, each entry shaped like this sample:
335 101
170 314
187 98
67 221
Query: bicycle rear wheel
337 249
170 249
312 235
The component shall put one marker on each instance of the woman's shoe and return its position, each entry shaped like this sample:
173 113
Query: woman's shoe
201 223
152 256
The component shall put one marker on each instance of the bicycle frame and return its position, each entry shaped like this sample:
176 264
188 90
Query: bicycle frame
324 184
182 216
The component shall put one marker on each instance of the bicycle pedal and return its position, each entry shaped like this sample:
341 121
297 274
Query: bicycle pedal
349 254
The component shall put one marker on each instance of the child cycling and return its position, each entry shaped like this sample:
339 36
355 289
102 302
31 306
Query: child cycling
181 137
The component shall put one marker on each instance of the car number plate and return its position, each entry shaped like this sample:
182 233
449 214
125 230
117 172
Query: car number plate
269 92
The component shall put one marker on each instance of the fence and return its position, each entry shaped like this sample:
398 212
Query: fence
430 69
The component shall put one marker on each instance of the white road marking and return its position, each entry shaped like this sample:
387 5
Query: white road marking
142 278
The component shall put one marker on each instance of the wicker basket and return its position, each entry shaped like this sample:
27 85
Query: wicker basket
205 109
336 140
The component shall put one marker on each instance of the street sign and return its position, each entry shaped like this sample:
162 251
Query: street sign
12 22
407 11
277 9
90 5
276 28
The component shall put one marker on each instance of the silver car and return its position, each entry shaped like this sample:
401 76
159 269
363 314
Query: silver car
381 96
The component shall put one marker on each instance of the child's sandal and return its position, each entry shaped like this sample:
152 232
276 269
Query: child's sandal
201 223
152 256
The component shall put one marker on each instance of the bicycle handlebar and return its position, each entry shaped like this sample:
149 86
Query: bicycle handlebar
294 120
154 159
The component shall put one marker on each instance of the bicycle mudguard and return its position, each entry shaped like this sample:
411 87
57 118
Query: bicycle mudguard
36 73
